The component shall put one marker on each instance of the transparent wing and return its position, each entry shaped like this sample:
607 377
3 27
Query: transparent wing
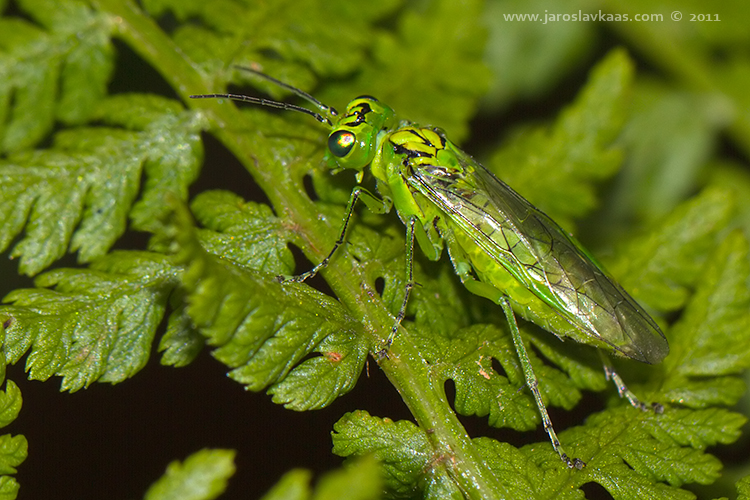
537 252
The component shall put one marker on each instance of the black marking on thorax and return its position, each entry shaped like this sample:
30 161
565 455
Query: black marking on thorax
401 149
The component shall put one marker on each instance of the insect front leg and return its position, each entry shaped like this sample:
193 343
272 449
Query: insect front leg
623 390
533 384
374 203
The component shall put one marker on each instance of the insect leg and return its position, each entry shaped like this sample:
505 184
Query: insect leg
408 287
533 384
623 390
373 203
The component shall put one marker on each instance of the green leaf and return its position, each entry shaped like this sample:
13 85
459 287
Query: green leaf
97 324
262 329
401 447
202 476
669 138
637 440
732 178
530 58
358 479
168 144
685 55
522 476
244 233
10 403
81 191
57 71
317 381
435 54
743 488
181 342
661 266
555 167
13 449
481 391
720 304
278 32
8 488
294 485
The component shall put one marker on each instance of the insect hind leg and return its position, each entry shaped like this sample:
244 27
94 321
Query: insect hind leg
533 384
623 390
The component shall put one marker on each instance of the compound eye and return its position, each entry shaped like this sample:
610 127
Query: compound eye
341 143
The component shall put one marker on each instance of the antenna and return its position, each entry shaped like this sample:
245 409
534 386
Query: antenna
328 110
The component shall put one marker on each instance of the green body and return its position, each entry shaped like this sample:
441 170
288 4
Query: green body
514 249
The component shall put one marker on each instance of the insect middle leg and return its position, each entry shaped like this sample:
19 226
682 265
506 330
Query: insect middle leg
407 288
